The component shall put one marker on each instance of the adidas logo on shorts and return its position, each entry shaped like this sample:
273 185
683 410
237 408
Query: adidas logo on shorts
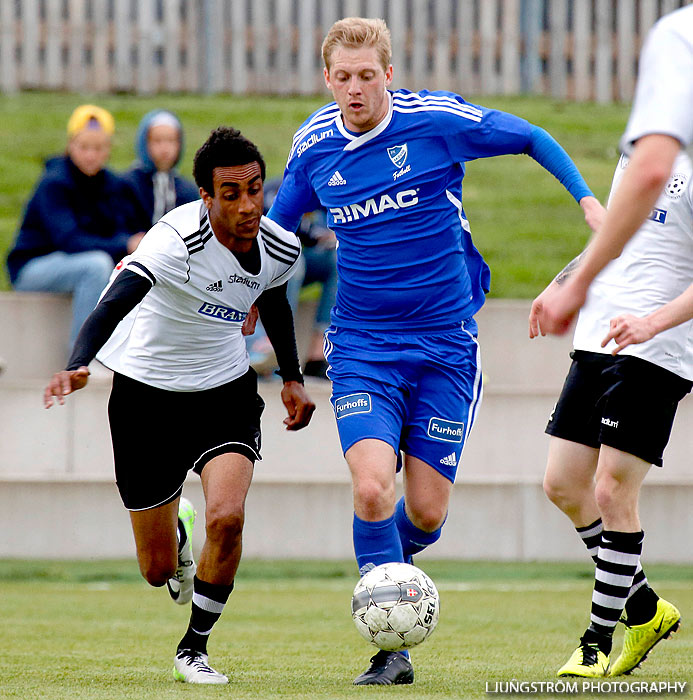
336 179
450 460
214 286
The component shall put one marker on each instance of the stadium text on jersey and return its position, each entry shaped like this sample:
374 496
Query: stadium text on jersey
311 141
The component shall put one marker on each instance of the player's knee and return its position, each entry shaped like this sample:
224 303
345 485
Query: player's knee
559 493
554 491
429 518
606 493
374 499
225 524
157 572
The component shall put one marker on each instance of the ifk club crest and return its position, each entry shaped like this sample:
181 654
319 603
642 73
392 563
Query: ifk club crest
398 155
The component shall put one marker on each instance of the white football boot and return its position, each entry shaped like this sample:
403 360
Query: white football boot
181 585
191 666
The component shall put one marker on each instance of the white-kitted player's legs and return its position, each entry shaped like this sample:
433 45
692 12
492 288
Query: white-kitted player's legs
569 480
180 585
225 480
155 538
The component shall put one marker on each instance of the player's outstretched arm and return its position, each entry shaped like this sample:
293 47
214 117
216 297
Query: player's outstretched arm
628 330
64 383
537 310
535 313
553 157
123 295
276 316
298 405
594 211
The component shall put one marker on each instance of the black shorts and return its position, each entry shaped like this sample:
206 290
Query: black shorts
159 435
624 402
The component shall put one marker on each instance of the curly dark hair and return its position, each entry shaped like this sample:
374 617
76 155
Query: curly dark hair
225 147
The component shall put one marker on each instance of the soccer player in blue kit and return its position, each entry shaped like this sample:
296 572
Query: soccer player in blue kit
402 348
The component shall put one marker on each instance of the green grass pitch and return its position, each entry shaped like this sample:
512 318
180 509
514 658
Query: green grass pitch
96 630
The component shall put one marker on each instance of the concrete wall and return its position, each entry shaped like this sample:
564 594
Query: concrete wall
56 470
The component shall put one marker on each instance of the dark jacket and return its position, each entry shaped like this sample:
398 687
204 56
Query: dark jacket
140 178
72 212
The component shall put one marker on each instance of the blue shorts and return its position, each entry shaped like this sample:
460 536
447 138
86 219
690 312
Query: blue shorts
417 392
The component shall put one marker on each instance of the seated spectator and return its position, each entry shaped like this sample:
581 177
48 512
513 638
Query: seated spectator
75 226
153 183
318 264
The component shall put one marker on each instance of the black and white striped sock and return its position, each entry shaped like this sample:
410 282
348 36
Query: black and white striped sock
208 603
617 562
592 537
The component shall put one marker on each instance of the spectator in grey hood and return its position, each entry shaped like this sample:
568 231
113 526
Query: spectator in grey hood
154 184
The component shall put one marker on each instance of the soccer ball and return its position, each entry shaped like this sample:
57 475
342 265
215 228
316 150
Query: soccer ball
395 606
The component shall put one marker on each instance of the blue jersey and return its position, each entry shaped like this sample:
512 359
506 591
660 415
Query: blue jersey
393 196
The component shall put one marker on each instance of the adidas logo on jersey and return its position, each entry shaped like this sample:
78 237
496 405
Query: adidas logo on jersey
214 286
450 460
336 179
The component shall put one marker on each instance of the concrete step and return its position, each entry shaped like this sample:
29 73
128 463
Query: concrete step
34 340
501 521
59 499
510 359
35 333
506 444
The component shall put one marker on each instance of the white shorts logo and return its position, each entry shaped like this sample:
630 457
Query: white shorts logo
450 460
351 404
445 430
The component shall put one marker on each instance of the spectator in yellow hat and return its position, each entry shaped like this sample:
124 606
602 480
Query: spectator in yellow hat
75 226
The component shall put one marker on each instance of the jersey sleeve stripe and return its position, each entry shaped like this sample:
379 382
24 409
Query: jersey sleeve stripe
433 108
193 236
281 258
196 244
323 116
437 99
278 249
312 127
141 270
281 254
279 244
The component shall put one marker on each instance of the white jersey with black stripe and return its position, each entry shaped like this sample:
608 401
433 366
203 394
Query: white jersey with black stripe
185 335
655 266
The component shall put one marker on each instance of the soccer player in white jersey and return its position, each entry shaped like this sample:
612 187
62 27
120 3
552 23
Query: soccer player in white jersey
404 360
614 417
184 396
660 124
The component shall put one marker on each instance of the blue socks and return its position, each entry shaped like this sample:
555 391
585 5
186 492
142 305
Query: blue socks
376 543
394 539
412 538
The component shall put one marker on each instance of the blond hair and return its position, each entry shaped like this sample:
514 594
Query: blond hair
355 32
